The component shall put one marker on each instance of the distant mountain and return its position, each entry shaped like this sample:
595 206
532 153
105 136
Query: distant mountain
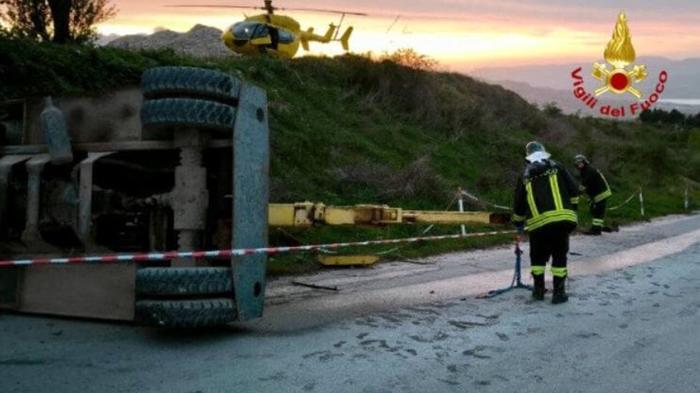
565 100
104 39
683 82
544 95
199 41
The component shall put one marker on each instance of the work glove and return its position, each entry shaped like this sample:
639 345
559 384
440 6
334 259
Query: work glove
520 227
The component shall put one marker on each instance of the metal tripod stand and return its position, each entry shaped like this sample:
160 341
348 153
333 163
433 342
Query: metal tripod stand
517 275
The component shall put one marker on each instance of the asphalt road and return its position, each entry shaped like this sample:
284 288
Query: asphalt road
632 325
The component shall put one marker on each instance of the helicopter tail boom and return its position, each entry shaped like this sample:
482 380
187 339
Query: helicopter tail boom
308 36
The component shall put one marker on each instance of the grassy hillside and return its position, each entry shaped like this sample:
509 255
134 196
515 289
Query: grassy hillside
351 130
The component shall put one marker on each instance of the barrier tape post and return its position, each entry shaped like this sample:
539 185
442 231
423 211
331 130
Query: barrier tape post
460 203
641 201
213 254
686 202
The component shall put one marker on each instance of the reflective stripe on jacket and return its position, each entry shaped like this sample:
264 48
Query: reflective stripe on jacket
594 184
546 193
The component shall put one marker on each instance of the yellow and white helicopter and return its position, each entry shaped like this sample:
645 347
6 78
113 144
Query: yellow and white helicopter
277 35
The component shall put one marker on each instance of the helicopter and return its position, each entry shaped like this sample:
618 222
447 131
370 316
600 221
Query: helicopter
277 35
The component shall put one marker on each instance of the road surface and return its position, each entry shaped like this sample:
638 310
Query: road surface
632 325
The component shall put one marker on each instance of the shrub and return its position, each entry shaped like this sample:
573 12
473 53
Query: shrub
552 109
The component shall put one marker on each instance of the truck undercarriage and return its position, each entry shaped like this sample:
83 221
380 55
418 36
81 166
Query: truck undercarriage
180 163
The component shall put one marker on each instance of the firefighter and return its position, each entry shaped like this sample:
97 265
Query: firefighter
593 183
545 204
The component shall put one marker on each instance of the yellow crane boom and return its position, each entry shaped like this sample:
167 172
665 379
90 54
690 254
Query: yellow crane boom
303 214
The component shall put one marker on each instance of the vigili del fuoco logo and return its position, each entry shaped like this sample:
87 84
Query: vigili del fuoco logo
618 76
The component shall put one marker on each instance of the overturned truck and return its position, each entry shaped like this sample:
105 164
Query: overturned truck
179 163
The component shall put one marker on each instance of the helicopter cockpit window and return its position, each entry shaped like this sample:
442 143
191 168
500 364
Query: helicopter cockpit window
245 31
285 37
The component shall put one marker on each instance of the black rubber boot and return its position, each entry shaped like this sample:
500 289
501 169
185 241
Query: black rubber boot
559 295
594 231
538 289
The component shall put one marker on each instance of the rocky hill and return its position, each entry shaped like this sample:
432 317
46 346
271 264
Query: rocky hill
199 41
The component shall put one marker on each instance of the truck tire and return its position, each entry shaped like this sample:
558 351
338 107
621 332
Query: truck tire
170 82
199 313
188 113
169 281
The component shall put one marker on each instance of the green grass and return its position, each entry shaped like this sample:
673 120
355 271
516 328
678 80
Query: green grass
307 262
350 130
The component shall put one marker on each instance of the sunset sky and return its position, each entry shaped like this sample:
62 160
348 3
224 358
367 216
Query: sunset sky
460 34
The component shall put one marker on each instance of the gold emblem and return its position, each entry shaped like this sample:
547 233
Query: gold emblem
619 54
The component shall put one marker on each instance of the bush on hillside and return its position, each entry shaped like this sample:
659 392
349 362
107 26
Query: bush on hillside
452 104
417 180
408 57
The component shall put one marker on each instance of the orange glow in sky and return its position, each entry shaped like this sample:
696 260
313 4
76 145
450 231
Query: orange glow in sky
479 33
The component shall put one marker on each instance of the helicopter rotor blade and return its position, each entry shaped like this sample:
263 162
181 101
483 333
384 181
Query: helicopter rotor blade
329 11
215 6
337 28
322 10
393 24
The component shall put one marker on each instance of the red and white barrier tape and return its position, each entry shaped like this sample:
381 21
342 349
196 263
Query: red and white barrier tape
162 256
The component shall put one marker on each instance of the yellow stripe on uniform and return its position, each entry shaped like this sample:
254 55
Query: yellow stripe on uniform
550 217
604 180
605 194
554 184
559 271
537 270
531 200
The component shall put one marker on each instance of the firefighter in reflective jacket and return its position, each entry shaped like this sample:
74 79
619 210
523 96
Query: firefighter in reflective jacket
593 183
545 204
